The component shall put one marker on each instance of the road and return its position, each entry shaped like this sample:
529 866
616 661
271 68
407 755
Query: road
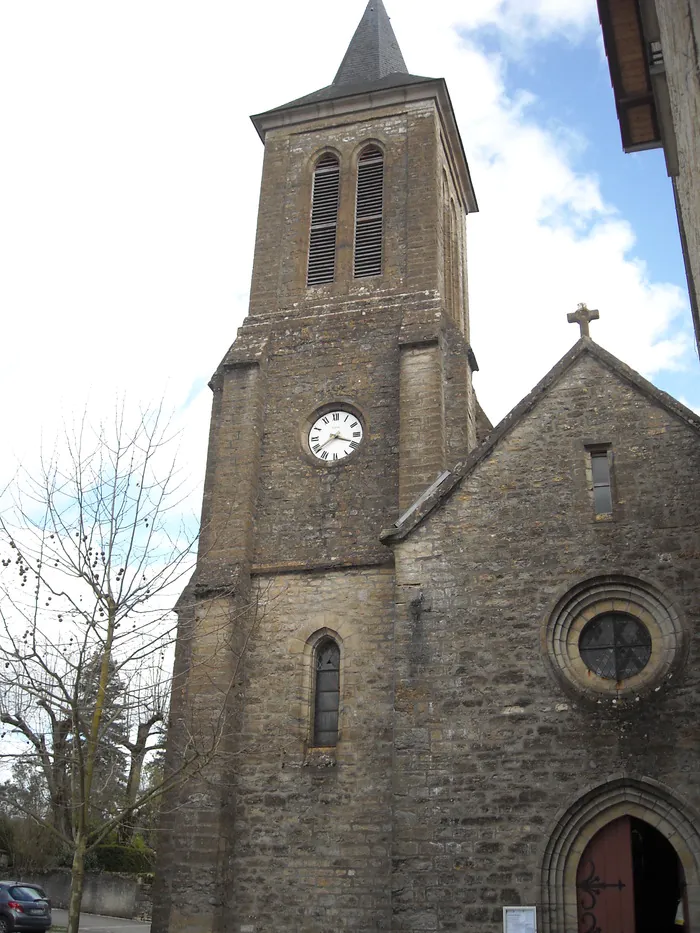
92 923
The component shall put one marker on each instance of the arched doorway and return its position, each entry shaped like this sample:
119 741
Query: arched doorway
642 799
630 880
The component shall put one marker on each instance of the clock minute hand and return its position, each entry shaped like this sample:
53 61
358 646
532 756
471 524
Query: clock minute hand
332 437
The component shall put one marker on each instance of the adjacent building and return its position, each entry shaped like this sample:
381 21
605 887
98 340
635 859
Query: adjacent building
653 52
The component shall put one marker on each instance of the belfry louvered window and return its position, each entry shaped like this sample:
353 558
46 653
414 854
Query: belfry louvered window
327 693
368 213
324 221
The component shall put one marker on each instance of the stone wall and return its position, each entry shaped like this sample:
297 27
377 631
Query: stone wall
407 135
311 513
490 747
312 847
112 894
301 348
272 834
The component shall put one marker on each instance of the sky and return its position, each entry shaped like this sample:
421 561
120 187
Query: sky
129 178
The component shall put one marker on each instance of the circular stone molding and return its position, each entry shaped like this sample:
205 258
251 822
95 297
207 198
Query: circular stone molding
307 423
618 595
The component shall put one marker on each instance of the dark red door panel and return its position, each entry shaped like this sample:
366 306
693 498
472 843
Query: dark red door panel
604 882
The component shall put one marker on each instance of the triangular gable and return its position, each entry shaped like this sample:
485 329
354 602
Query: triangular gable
436 494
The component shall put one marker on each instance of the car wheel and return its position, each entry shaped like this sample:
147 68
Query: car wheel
4 925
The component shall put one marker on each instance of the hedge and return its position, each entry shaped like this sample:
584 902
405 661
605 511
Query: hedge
123 858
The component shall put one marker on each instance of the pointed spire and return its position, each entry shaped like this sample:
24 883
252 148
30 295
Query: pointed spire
373 52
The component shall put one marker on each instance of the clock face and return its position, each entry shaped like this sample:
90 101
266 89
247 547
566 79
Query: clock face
335 435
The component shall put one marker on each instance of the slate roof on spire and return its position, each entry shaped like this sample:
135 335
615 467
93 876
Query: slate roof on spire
373 61
373 52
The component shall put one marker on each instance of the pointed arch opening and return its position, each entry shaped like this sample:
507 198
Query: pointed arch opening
604 833
457 285
446 246
630 880
369 211
325 197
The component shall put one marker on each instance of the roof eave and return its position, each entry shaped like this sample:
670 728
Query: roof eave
652 107
450 123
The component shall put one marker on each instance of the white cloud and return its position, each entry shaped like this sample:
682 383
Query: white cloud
129 181
521 20
545 238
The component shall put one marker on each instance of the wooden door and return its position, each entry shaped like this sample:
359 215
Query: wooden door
605 882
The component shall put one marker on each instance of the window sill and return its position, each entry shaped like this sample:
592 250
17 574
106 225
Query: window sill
320 757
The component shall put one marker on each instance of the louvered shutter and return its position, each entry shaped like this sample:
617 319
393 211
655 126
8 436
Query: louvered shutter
324 221
368 216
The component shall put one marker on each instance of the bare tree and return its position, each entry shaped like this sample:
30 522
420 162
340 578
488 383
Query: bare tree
95 549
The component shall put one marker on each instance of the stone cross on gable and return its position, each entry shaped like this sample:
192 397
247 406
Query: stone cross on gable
583 317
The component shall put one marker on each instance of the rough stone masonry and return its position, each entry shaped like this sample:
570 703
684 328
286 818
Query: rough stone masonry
482 749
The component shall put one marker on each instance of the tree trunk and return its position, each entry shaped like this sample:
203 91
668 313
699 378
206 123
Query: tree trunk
59 778
126 827
61 811
137 751
76 884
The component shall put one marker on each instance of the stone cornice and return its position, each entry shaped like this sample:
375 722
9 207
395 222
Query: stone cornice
356 103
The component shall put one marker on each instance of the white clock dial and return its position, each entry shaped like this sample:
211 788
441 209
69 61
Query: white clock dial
335 435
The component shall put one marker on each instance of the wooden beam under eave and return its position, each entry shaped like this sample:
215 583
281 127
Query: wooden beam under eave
625 48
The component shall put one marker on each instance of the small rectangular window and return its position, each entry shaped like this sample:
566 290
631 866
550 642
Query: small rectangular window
600 480
656 55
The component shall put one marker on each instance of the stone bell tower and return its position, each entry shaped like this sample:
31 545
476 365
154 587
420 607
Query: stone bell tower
347 391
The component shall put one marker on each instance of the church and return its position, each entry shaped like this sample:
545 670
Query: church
440 675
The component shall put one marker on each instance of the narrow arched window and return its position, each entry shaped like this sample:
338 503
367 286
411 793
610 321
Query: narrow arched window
368 213
327 693
461 270
324 221
446 248
456 297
